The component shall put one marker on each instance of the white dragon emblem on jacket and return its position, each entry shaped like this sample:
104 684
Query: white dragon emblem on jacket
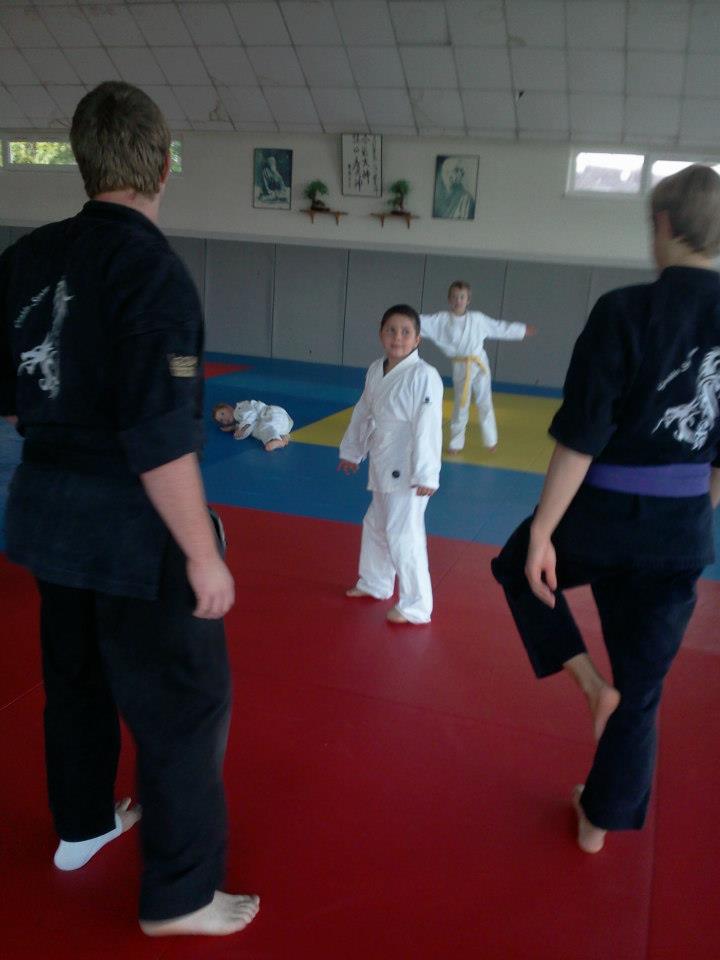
693 421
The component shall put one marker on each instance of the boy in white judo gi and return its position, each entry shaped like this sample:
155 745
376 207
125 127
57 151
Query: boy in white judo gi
267 423
460 334
397 423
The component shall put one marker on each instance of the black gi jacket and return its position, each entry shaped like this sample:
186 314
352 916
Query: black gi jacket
100 358
643 388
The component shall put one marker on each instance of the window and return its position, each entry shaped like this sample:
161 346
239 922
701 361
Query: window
607 173
43 153
176 156
661 168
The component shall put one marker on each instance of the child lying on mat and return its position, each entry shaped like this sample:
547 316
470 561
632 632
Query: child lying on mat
268 424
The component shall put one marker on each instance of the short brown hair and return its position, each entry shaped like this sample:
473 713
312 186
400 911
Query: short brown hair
691 198
403 310
120 140
221 406
459 285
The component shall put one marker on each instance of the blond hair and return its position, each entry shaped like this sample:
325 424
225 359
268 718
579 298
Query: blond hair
222 406
459 285
120 140
691 198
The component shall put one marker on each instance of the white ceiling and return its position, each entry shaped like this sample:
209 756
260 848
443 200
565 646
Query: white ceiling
613 71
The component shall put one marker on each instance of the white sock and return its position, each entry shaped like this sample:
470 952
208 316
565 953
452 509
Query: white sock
71 855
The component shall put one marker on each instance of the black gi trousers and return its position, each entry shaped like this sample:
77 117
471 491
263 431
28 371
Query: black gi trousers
167 674
644 614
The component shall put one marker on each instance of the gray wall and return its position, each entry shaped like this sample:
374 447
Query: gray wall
323 304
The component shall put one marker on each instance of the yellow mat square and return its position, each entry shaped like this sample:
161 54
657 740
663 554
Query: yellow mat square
522 421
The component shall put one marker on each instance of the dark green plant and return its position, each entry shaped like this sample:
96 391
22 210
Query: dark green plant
313 191
398 191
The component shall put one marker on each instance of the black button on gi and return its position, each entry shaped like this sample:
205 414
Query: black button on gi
396 473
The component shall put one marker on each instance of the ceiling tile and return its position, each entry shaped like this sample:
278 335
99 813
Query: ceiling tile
596 113
66 97
50 66
535 23
5 40
656 116
246 104
387 107
10 113
339 108
437 108
201 103
212 125
489 111
311 23
92 65
429 66
259 23
477 22
302 128
166 100
543 111
596 71
325 66
276 66
256 125
703 75
14 68
700 121
25 27
136 65
35 102
209 23
483 68
365 24
291 104
541 134
376 66
419 22
114 25
657 25
161 24
482 133
182 65
661 74
705 27
70 27
228 65
538 69
394 130
598 25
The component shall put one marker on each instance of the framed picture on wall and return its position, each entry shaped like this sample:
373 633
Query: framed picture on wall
361 164
272 178
455 187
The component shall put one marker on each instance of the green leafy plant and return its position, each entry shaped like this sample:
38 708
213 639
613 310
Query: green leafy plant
398 191
313 191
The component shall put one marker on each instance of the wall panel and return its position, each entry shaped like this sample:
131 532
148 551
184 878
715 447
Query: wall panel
238 297
309 303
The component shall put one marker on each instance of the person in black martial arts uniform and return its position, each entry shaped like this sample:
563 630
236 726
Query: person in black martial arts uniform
100 366
628 498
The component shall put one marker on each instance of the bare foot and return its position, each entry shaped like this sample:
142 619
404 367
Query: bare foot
73 854
225 914
491 449
452 452
276 444
394 616
603 699
590 838
356 592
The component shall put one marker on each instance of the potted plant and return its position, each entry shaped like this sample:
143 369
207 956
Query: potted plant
313 191
398 191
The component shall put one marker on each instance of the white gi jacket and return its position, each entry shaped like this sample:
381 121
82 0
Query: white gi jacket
398 422
465 336
267 421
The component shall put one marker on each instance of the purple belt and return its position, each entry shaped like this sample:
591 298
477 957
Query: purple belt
667 480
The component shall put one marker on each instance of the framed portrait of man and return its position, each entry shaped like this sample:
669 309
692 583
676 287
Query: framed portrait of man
361 164
455 187
272 178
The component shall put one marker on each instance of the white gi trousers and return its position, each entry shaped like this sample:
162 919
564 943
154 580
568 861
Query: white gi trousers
481 392
394 542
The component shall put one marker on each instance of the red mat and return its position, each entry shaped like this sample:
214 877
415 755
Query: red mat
395 792
212 368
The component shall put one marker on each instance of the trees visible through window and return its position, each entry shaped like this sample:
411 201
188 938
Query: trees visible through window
58 153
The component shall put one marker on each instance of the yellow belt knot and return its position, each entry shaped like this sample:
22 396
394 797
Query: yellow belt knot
469 361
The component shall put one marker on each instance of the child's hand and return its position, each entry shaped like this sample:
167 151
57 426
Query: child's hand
530 329
425 491
347 467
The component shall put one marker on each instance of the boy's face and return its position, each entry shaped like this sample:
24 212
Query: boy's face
399 337
223 416
459 299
